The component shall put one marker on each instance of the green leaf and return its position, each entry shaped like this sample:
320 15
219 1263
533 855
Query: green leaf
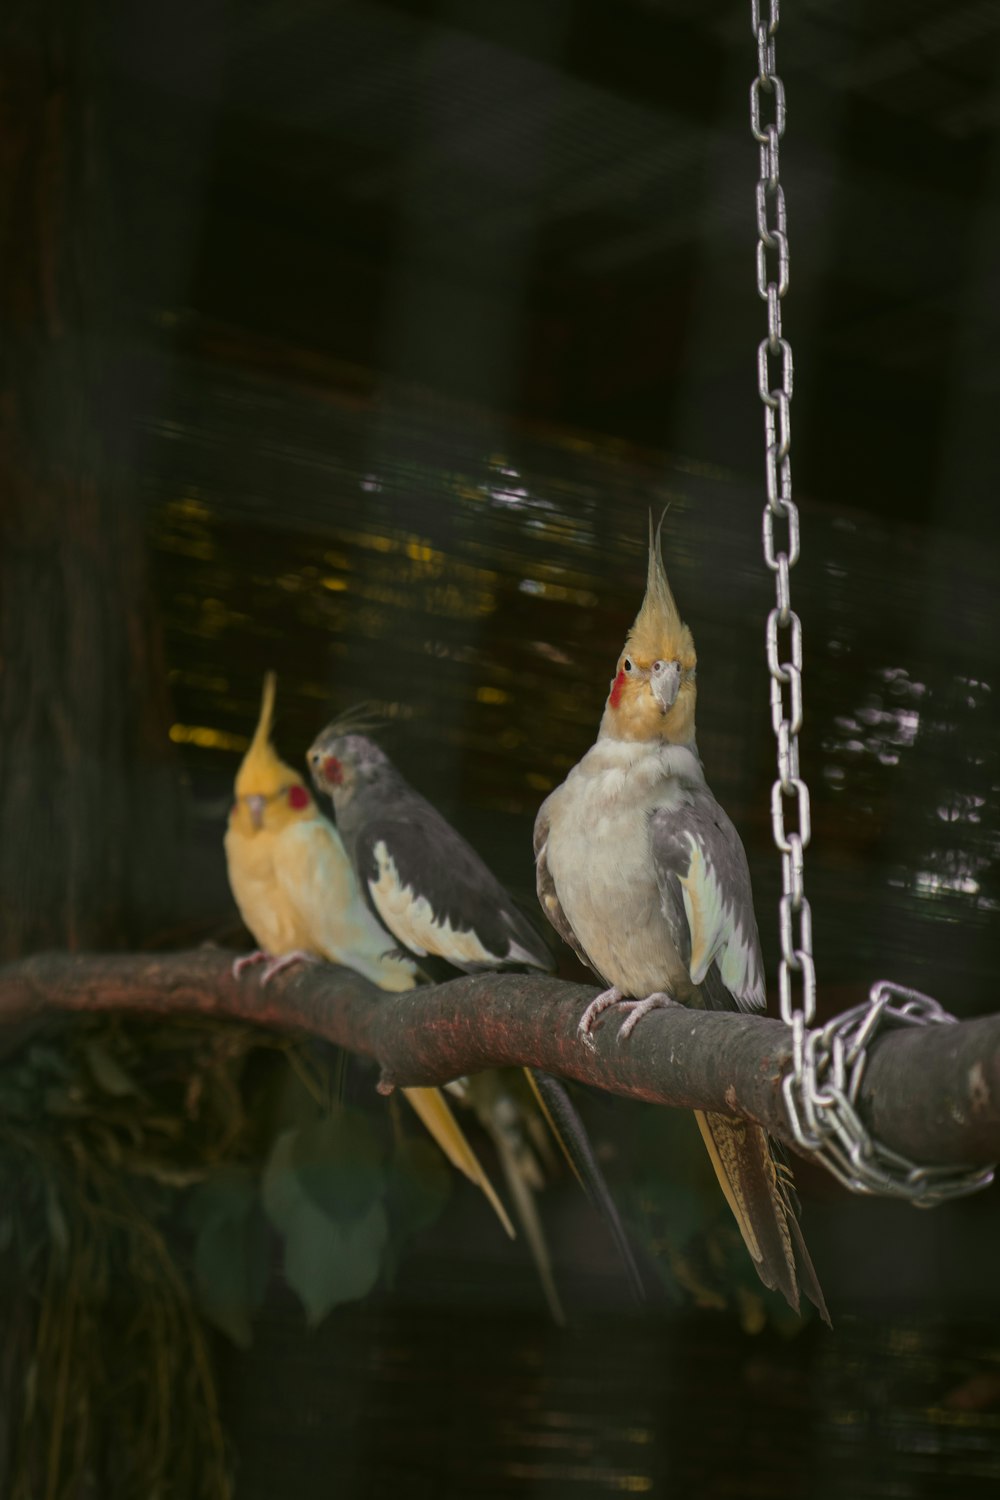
420 1183
227 1193
107 1072
339 1165
56 1220
43 1058
231 1259
327 1264
329 1258
419 1187
280 1098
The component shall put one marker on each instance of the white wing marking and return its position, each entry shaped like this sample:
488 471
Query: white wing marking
411 920
717 933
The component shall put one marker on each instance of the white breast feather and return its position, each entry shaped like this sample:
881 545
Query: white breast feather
599 858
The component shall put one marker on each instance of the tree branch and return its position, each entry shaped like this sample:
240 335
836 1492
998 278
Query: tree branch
931 1093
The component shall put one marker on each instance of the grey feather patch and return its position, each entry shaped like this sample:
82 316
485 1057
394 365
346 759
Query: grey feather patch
428 885
547 895
701 869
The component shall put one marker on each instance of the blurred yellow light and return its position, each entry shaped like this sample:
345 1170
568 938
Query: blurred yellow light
418 551
207 739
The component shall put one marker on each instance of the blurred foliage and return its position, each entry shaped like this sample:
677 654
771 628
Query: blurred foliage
150 1176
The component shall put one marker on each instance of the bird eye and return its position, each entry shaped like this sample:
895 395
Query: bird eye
626 665
658 666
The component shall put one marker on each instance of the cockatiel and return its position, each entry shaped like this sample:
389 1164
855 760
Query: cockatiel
641 872
435 895
426 884
297 893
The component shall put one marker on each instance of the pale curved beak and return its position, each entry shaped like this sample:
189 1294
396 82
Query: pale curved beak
256 807
664 683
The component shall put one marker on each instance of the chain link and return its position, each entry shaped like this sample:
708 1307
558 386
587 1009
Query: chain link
775 373
821 1088
823 1110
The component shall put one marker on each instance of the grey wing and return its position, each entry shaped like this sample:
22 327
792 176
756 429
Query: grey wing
548 897
435 895
704 880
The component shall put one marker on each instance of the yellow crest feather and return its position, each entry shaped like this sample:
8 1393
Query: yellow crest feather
262 734
262 772
658 630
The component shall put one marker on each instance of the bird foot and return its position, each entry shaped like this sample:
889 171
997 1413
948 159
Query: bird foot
247 961
277 965
597 1007
614 997
639 1008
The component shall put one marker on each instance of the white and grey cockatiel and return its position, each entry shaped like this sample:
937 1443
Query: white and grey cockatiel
430 888
641 872
298 895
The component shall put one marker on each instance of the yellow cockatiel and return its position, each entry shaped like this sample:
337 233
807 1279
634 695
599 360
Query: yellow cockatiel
298 894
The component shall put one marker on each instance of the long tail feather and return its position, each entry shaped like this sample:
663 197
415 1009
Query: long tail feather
752 1181
571 1134
527 1216
435 1114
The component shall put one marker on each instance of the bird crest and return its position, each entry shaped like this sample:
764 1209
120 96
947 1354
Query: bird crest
360 718
262 772
659 631
653 694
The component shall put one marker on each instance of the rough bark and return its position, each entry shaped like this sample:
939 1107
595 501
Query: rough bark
932 1094
88 796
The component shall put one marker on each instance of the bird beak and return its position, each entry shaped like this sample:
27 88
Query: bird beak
664 683
256 806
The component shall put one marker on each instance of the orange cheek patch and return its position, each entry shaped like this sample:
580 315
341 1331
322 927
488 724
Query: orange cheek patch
617 687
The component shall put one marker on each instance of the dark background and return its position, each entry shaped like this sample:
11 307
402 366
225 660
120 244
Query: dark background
406 315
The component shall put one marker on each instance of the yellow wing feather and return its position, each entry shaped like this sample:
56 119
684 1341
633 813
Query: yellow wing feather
435 1114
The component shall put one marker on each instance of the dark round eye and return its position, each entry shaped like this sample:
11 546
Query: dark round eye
658 666
626 665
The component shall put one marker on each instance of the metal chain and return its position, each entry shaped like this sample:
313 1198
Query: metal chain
821 1089
784 628
824 1114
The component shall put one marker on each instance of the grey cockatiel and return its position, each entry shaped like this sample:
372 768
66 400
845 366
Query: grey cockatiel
425 883
644 876
435 895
